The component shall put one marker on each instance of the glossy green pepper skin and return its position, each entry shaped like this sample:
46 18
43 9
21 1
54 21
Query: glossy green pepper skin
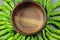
53 30
52 34
39 37
44 35
57 24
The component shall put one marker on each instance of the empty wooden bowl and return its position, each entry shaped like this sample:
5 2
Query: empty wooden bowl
28 17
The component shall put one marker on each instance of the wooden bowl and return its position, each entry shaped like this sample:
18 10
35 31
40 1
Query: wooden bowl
28 18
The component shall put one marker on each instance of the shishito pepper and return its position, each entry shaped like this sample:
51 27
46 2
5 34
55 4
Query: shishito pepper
39 37
50 37
6 36
32 38
48 4
11 2
7 5
57 24
11 38
44 36
5 10
52 7
53 30
4 19
16 35
18 0
55 18
45 3
35 37
5 23
19 38
28 38
52 34
4 14
24 37
4 27
56 13
2 32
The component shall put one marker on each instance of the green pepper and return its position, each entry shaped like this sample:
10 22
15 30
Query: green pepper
4 19
53 30
50 37
18 0
11 3
32 38
45 3
1 16
20 37
54 13
16 35
11 38
37 1
5 9
54 6
35 37
28 38
39 37
3 27
2 32
40 1
5 23
7 5
24 37
57 24
4 14
55 18
6 36
48 4
45 38
52 34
